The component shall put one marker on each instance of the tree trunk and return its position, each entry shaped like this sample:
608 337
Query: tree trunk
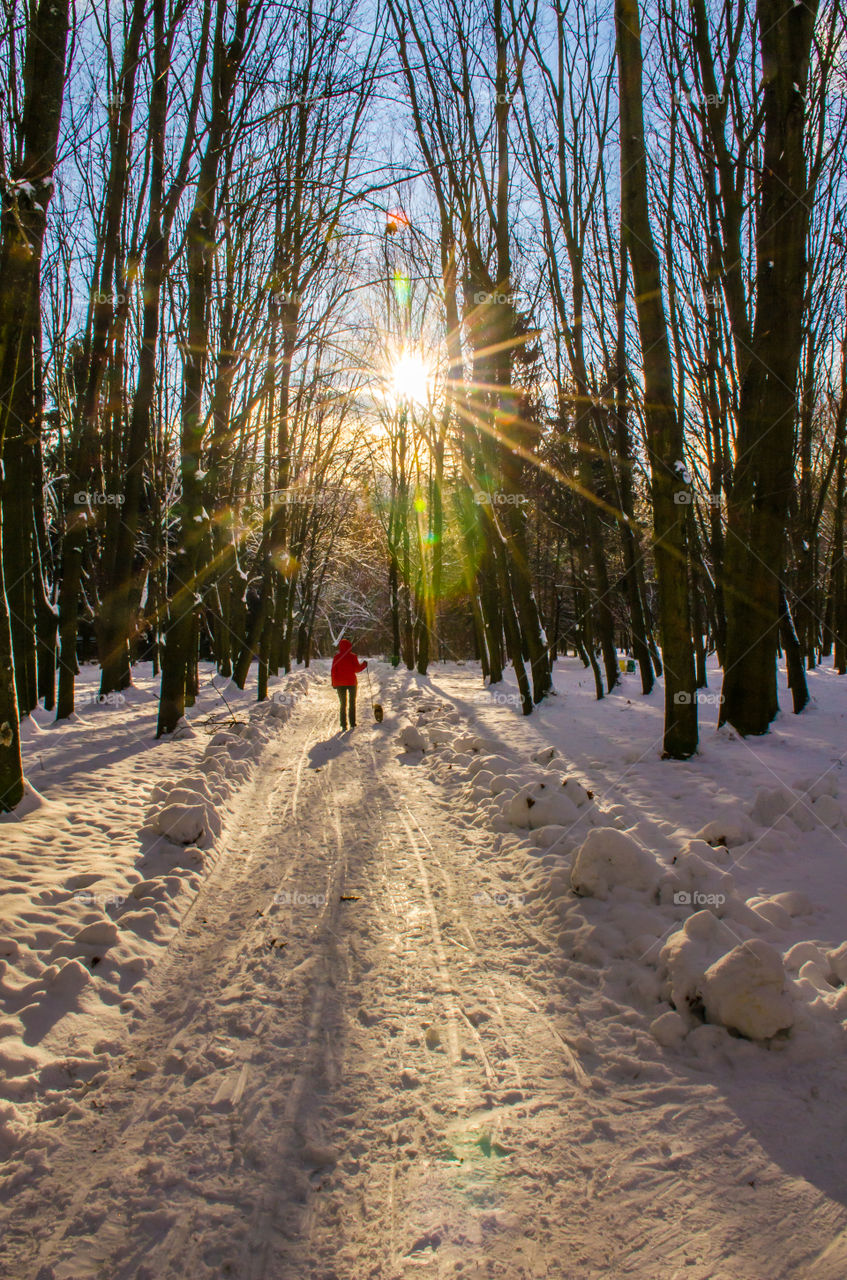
119 590
622 476
189 573
758 500
664 429
26 195
85 442
838 594
19 551
793 656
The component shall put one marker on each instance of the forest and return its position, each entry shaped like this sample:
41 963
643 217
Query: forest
488 330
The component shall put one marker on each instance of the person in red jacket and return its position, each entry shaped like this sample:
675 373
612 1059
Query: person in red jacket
345 664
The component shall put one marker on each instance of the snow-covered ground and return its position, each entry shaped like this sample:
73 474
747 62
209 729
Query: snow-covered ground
101 862
459 994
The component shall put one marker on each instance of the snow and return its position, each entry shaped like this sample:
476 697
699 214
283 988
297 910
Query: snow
538 804
280 1001
609 860
697 878
412 739
99 869
744 991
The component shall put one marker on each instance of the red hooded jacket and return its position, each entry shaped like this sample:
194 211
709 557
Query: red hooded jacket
345 664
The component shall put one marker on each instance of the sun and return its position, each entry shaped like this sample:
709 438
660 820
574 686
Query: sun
409 379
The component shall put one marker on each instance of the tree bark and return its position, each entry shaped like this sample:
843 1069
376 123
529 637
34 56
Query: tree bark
85 438
189 573
793 656
757 504
664 429
119 593
25 199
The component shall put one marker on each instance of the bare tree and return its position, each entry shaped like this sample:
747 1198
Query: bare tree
665 442
27 190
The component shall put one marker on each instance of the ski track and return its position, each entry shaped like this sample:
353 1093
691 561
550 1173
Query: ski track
394 1082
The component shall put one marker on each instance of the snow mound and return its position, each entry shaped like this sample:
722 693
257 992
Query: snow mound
186 823
770 911
609 859
553 834
183 730
477 744
740 987
730 829
838 962
804 953
185 790
494 763
440 734
541 802
795 903
819 976
102 933
828 811
33 802
669 1029
744 991
687 955
576 792
825 969
411 738
773 803
185 811
248 732
538 804
68 981
694 880
816 788
505 782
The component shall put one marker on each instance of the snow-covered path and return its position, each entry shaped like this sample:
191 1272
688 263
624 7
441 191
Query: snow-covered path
352 1064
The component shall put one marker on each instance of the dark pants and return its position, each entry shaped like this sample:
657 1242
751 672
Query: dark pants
347 700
